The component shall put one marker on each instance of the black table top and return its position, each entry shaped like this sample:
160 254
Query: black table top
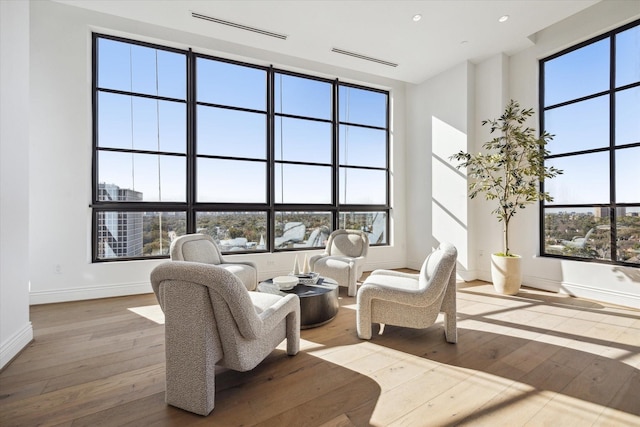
321 287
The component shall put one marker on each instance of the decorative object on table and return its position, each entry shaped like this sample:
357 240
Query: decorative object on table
510 172
212 320
296 267
285 283
308 279
305 265
411 300
343 258
202 248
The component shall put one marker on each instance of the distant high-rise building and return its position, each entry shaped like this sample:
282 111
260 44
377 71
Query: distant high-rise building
119 232
604 212
601 212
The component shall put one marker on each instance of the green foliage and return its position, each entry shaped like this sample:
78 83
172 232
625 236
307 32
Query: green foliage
512 168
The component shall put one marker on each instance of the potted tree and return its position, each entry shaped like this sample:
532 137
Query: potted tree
510 172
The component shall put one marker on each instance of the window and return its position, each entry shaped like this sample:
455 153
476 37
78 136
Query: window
590 98
260 159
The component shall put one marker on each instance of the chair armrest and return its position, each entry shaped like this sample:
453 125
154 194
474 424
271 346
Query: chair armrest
249 263
314 258
273 315
371 291
395 273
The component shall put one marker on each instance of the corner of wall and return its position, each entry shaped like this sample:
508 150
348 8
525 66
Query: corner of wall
11 348
15 329
490 96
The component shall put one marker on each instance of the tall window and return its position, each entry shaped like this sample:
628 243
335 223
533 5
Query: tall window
591 102
260 159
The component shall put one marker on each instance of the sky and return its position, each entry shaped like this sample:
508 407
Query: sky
586 126
148 124
132 122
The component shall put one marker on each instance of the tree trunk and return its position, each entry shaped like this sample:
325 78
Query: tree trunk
505 237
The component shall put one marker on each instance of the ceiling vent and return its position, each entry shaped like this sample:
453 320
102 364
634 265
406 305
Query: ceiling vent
239 26
366 58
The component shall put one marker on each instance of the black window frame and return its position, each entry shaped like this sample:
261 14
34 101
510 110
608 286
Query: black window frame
611 148
191 206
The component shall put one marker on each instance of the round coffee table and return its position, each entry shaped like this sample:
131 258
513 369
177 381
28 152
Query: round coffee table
318 302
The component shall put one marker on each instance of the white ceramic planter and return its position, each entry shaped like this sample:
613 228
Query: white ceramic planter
506 274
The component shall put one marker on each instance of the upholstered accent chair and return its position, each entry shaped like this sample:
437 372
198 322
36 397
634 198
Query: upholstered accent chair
211 319
202 248
411 300
343 258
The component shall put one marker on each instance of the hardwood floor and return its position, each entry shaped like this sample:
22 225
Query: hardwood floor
534 359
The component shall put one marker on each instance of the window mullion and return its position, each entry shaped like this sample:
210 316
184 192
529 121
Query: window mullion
191 142
612 152
336 154
271 169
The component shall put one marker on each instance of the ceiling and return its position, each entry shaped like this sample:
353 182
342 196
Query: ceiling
449 33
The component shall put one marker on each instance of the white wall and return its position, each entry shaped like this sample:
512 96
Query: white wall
494 89
60 162
15 329
590 280
439 112
444 115
492 95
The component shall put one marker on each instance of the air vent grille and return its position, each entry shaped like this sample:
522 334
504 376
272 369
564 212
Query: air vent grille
239 26
365 57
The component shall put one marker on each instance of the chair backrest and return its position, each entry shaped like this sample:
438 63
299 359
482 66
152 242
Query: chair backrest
436 271
196 248
232 305
351 243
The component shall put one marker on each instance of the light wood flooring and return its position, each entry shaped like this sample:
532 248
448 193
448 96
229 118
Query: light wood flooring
535 359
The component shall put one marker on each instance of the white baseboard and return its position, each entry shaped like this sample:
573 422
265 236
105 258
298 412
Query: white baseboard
468 275
540 283
583 291
14 345
93 292
484 275
106 291
574 289
599 294
117 290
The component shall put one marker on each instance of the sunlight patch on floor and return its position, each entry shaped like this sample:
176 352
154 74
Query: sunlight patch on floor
151 312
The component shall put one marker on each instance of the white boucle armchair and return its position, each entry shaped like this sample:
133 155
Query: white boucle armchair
411 300
343 258
211 319
202 248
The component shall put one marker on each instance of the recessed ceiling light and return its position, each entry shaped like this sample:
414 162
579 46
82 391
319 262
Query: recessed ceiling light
416 17
503 18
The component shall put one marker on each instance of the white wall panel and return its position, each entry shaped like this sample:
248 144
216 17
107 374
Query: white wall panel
15 328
